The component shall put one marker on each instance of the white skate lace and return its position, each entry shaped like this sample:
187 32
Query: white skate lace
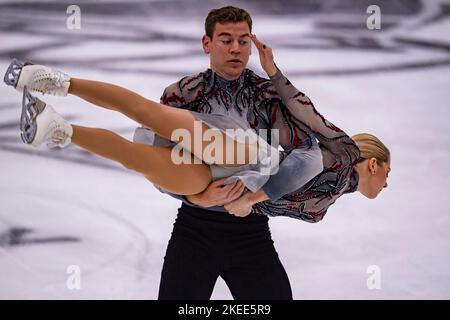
54 82
57 138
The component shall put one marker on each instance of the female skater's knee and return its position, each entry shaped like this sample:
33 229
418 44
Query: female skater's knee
142 115
135 160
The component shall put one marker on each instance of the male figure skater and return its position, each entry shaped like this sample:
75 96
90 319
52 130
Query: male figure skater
207 241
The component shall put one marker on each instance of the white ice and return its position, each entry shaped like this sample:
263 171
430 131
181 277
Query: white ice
115 225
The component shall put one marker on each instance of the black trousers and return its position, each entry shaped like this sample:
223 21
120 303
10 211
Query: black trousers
207 244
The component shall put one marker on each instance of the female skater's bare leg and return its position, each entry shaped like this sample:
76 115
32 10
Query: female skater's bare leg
153 162
160 118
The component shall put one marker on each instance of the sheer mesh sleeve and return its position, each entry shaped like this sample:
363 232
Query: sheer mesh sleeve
301 122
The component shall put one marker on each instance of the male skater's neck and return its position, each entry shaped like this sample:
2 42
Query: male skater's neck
226 76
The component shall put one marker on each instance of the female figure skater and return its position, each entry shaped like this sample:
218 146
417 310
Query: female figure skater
314 182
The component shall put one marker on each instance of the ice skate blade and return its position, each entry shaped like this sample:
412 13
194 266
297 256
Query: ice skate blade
31 108
12 74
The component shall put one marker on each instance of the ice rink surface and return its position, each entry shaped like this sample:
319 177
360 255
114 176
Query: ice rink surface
62 208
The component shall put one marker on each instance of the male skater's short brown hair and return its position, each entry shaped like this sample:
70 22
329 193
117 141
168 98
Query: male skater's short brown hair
226 15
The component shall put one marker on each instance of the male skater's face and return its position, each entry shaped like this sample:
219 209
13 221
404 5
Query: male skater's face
229 49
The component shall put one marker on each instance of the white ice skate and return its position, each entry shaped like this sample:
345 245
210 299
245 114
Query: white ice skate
37 78
39 123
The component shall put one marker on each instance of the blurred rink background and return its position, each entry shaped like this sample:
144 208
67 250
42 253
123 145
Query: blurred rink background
62 208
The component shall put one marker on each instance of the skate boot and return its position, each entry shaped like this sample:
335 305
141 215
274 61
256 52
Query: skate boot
39 123
37 78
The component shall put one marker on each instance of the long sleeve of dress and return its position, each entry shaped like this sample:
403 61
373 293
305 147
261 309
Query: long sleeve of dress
297 168
300 125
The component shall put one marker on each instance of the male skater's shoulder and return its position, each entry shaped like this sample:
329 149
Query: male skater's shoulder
263 87
188 92
192 92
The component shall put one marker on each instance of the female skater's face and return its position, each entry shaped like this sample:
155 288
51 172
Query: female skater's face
229 49
376 178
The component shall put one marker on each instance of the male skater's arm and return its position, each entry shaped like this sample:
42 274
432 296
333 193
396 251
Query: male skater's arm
341 149
303 115
213 197
304 124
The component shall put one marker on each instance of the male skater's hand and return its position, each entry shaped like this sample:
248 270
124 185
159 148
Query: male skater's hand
240 207
217 194
265 56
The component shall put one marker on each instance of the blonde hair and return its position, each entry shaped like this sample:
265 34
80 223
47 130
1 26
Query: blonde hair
371 147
